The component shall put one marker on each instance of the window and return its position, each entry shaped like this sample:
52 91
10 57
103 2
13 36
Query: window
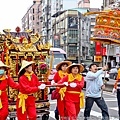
72 51
33 17
87 50
33 10
33 30
83 48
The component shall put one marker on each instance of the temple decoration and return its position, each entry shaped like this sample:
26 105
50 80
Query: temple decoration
17 46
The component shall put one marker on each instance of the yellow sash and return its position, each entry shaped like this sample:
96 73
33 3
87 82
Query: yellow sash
81 97
22 98
28 75
3 78
62 92
0 100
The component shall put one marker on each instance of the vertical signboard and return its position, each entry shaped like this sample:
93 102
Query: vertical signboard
98 48
56 41
104 51
117 54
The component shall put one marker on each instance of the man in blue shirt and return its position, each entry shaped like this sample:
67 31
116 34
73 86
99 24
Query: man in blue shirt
94 86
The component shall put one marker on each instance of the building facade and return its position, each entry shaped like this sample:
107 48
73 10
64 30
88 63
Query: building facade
106 3
49 8
31 20
73 30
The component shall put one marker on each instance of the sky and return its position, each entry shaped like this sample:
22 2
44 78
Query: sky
12 11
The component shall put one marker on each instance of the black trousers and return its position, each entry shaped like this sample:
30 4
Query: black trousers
101 104
118 99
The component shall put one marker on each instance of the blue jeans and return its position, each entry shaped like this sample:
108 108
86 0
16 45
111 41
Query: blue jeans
101 104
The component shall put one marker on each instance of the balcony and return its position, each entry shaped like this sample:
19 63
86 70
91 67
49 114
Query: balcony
72 40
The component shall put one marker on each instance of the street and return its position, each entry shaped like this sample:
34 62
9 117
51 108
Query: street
95 113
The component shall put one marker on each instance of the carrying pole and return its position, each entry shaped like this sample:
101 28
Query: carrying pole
106 63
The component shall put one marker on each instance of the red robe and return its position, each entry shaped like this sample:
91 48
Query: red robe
57 78
60 103
4 97
28 87
72 100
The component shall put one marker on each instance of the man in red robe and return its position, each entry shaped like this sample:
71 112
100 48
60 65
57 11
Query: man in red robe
72 93
29 84
61 72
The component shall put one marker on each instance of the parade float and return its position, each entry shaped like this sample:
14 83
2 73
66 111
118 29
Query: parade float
18 46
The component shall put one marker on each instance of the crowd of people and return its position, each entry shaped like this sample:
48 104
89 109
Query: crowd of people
70 97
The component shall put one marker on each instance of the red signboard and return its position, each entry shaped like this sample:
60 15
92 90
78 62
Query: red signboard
104 51
98 48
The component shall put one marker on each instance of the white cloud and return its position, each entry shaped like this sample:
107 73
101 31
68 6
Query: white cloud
96 3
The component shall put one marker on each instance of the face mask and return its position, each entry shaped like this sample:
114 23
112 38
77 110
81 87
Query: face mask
2 72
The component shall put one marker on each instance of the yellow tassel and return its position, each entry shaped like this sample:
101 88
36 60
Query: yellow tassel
0 100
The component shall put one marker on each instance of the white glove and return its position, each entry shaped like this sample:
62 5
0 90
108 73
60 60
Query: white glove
52 82
114 91
73 85
42 86
65 83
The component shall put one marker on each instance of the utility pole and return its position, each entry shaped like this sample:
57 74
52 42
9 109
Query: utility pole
79 37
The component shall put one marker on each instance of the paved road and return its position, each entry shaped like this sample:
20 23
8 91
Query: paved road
95 113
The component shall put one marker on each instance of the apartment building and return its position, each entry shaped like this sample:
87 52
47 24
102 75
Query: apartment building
49 8
73 30
31 20
84 5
